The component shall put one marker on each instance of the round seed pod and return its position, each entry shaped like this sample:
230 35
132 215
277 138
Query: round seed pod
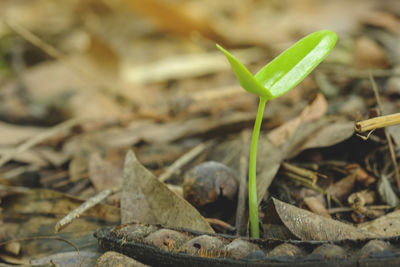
210 186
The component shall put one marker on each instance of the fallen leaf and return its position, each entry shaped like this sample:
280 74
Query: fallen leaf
183 66
269 159
386 192
11 134
316 206
324 132
102 174
368 54
309 226
385 226
145 199
174 18
315 109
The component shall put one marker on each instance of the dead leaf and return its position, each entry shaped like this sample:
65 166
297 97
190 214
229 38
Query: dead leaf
309 226
11 134
147 200
368 54
174 18
342 188
324 132
102 174
269 159
315 109
316 206
184 66
386 192
385 226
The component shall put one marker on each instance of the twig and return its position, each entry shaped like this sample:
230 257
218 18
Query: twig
85 206
389 140
348 209
37 139
8 175
313 176
44 238
377 122
220 224
309 184
182 161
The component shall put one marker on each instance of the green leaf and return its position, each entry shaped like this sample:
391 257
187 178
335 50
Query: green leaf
288 69
245 78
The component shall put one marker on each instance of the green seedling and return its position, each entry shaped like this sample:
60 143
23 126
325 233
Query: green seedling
273 80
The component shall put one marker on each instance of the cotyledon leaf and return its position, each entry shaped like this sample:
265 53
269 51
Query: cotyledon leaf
245 78
288 69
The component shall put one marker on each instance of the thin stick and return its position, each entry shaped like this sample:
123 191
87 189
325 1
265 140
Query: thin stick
348 209
377 122
306 182
76 213
37 139
182 161
313 176
389 140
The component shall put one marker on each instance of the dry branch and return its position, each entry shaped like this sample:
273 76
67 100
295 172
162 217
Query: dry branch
84 207
377 122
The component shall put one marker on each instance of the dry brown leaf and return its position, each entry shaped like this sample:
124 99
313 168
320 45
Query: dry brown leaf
154 133
13 134
184 66
309 226
315 109
316 206
269 159
174 18
102 174
342 188
38 156
145 199
368 54
324 132
383 19
385 226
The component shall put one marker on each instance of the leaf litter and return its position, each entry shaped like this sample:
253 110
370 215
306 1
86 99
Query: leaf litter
144 77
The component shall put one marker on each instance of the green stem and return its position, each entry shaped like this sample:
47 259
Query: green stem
253 203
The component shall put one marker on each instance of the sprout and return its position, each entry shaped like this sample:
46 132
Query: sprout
273 80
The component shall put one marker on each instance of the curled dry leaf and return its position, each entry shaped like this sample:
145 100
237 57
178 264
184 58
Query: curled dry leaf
309 226
145 199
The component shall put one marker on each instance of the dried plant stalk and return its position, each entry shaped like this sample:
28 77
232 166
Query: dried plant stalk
378 122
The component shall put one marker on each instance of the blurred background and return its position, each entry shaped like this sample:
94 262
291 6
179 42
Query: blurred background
84 81
117 59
